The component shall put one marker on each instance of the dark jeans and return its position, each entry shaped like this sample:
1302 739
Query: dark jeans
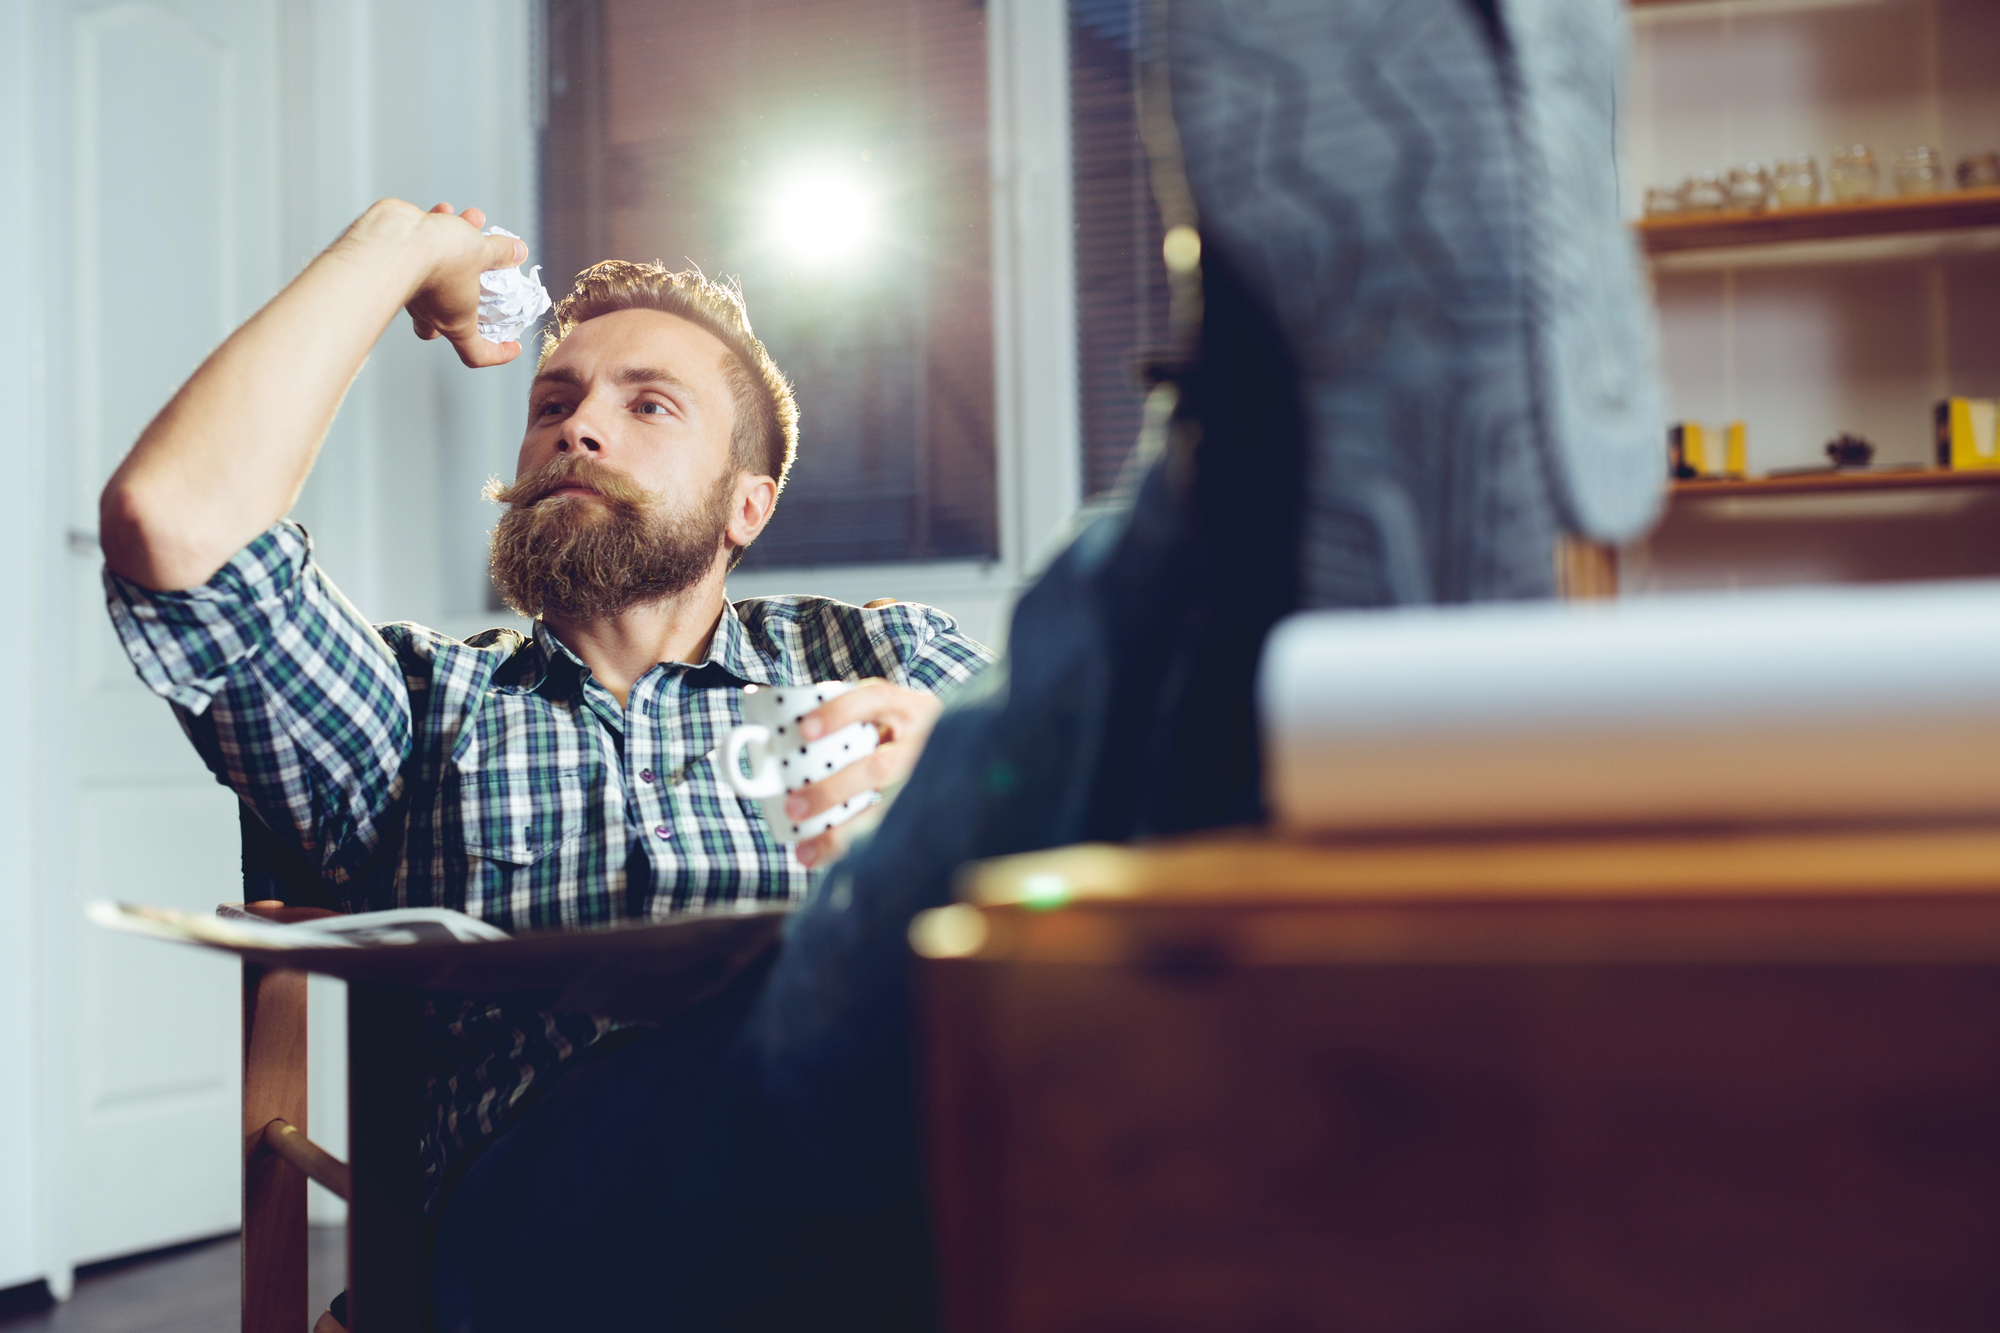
648 1188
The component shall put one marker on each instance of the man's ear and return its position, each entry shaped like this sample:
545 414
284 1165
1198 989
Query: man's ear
750 507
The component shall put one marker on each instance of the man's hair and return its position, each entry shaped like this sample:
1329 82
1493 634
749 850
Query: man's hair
766 435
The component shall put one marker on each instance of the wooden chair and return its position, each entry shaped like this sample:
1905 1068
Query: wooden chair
387 1280
637 973
1243 1082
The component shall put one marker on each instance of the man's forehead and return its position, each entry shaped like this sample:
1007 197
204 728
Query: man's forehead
637 347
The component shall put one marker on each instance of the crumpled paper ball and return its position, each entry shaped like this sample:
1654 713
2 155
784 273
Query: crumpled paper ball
510 300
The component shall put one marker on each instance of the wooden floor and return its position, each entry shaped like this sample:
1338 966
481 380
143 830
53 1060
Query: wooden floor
192 1289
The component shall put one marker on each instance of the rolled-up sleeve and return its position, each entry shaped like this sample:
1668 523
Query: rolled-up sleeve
293 700
936 656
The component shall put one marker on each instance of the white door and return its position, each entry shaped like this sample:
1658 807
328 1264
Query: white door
173 190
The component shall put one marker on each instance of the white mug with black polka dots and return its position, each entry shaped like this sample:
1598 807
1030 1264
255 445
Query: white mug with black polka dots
780 761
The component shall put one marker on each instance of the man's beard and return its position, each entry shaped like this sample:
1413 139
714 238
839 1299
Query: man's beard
559 556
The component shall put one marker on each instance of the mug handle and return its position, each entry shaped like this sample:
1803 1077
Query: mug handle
766 782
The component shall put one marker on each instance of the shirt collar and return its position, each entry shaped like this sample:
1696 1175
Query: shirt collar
730 649
536 659
733 651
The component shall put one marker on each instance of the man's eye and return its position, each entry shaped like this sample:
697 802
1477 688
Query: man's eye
653 408
551 409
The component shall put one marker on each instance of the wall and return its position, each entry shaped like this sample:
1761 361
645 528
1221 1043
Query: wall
20 1189
393 503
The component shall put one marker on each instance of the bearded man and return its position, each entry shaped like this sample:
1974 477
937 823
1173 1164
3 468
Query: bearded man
564 779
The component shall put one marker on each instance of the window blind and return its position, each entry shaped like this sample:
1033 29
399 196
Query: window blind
1120 278
832 155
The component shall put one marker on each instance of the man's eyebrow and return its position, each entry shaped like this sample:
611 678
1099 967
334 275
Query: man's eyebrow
651 375
630 375
559 375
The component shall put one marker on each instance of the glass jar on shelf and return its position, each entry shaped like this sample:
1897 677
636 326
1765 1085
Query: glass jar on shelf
1704 192
1919 171
1981 171
1662 201
1749 188
1852 175
1795 181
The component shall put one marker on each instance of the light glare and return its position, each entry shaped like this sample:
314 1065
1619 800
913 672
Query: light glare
821 217
956 931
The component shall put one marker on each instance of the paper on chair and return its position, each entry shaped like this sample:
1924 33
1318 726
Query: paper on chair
510 300
1811 705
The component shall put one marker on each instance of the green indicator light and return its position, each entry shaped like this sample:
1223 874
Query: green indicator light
1044 892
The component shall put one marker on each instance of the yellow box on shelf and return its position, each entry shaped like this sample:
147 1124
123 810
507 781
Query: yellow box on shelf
1968 434
1695 450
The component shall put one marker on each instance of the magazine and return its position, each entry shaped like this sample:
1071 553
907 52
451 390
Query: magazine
642 971
233 927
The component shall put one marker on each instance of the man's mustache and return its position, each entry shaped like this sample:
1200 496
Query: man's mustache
532 488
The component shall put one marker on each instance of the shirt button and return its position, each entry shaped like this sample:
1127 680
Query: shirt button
645 775
663 830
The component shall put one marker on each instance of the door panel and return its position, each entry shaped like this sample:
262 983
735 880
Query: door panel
156 1125
174 198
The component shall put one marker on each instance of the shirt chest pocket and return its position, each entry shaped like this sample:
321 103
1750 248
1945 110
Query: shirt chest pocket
518 816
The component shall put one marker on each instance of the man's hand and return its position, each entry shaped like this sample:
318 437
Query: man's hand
903 719
447 305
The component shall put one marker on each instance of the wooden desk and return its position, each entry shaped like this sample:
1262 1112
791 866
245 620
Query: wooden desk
1671 1083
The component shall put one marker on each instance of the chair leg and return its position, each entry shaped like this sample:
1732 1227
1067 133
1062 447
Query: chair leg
274 1192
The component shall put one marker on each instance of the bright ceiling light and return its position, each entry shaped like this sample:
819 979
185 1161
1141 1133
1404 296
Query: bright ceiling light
820 217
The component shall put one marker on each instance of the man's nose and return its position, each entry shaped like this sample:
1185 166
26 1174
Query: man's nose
580 434
590 425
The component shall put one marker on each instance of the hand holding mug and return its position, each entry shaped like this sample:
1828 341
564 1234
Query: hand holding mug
844 743
902 719
781 760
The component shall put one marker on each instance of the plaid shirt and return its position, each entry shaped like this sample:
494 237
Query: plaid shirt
496 775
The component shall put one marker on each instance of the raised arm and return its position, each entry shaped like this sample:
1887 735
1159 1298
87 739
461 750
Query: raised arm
227 457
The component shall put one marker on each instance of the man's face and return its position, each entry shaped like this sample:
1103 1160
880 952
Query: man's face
625 489
641 392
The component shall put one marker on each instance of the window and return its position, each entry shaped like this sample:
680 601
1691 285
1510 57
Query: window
1121 281
833 155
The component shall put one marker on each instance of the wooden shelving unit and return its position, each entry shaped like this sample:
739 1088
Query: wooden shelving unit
1586 570
1837 483
1923 523
1954 211
1648 4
